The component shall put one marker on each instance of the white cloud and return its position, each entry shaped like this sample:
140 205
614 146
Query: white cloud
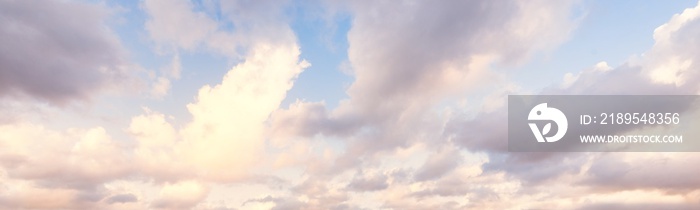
226 136
674 54
228 119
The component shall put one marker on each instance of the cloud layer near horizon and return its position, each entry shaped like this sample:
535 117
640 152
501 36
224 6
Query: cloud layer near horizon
403 139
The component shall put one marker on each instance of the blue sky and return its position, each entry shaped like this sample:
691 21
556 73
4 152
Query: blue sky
216 104
601 35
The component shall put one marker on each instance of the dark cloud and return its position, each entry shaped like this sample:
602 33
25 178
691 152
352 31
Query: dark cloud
406 56
57 50
308 119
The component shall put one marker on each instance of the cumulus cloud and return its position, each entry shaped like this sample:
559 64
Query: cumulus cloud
228 119
412 56
58 51
226 136
222 143
432 49
674 54
406 60
398 84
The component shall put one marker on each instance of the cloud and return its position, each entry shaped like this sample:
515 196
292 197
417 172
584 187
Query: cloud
604 173
46 169
407 60
277 203
162 85
639 206
370 183
27 197
181 195
174 23
222 143
155 139
430 50
226 135
674 54
413 56
438 164
665 172
225 27
228 119
122 198
401 140
58 51
309 118
89 157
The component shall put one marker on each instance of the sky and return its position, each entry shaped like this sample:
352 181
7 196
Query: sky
307 104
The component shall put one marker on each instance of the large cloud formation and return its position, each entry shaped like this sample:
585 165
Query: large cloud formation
409 136
405 68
